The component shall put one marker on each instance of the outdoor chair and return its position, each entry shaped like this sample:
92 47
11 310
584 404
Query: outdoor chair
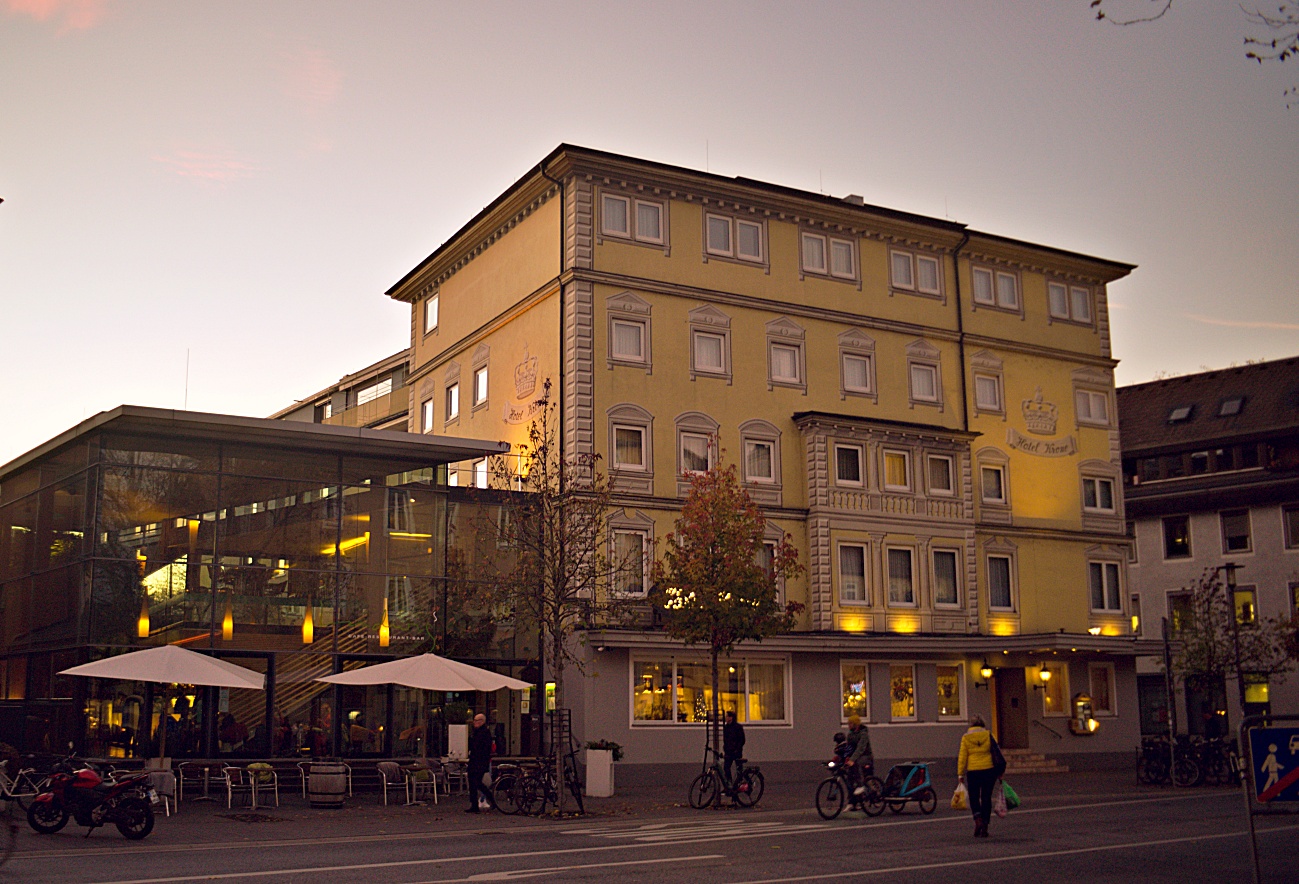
264 779
238 782
422 780
192 776
455 773
304 772
390 777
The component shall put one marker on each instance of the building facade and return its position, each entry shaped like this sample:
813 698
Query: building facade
926 409
1211 475
295 550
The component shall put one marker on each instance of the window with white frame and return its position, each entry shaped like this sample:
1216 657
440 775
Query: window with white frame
627 341
1001 588
629 330
1072 303
730 237
480 386
915 272
1103 579
854 677
896 475
996 288
1235 531
902 586
829 256
452 402
480 473
1098 494
696 452
636 219
852 574
629 447
431 313
992 483
785 361
987 393
426 416
1093 407
759 461
924 382
847 465
671 690
710 342
1100 677
856 364
631 573
951 691
941 471
902 692
947 581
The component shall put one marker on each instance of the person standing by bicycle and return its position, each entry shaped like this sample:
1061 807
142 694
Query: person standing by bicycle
861 760
732 748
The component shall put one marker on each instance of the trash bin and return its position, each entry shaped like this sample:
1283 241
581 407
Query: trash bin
327 784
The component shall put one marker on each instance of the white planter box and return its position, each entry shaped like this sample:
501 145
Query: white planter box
599 773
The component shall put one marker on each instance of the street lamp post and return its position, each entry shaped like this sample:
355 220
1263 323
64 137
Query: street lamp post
1231 568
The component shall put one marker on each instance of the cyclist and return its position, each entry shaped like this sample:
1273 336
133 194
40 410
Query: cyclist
860 760
732 747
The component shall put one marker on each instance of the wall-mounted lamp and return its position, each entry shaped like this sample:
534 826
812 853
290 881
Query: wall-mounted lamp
385 634
1043 676
1094 630
228 620
142 625
308 625
986 672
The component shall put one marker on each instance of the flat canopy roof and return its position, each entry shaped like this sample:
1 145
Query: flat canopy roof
320 438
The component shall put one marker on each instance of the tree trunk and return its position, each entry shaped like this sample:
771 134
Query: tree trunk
558 669
716 725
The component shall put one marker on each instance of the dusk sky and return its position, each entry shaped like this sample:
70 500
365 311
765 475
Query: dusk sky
235 184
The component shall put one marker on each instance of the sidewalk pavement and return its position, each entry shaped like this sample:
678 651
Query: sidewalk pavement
365 817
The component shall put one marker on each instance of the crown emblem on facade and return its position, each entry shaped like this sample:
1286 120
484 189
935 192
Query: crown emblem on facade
525 376
1040 416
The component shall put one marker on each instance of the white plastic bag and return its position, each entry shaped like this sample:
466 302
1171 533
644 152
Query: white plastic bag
999 801
960 799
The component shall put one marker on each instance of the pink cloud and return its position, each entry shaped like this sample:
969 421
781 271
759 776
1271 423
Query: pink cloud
218 167
312 79
72 15
1240 323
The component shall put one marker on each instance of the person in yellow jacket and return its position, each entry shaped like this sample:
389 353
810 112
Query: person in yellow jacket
975 768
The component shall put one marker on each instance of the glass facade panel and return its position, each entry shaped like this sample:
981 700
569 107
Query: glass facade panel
694 692
766 691
951 684
856 689
902 692
652 691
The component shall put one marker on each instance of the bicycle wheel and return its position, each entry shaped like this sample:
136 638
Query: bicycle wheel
748 791
503 793
529 795
27 786
873 801
830 798
704 790
1152 770
1185 771
928 800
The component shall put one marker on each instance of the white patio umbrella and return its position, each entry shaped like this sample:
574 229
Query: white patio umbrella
168 665
430 672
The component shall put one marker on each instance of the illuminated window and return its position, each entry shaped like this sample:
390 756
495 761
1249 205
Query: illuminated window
897 471
680 691
1246 599
951 686
902 692
1055 692
855 680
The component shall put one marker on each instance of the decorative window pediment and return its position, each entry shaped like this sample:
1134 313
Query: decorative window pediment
784 327
710 316
922 349
627 302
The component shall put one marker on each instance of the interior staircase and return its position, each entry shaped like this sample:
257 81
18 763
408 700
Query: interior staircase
1026 761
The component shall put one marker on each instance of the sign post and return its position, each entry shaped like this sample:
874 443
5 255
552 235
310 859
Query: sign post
1271 780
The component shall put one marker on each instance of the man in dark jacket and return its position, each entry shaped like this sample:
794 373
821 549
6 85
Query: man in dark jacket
732 747
480 761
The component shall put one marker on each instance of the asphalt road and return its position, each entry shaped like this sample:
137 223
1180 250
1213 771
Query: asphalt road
1197 835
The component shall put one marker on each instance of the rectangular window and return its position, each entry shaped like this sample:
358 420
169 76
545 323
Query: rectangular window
924 382
940 475
916 273
1134 608
629 563
902 692
1071 302
814 260
902 589
1235 531
1104 581
1181 615
480 473
1257 692
766 692
855 680
842 261
856 373
1000 595
1093 407
951 684
897 471
695 453
374 391
1055 691
681 691
993 484
1007 291
652 685
1080 302
946 586
628 340
1290 520
1098 495
649 222
430 313
987 392
748 240
626 218
983 291
710 352
927 279
719 236
1246 600
1057 297
759 461
785 364
847 465
1177 537
426 416
852 573
903 272
629 448
480 385
453 402
616 215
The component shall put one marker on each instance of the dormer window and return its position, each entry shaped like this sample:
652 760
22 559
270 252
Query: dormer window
1230 407
1179 414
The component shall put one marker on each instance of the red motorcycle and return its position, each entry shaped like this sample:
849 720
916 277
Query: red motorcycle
93 802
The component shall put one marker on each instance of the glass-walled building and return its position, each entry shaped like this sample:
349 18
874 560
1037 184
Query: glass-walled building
297 550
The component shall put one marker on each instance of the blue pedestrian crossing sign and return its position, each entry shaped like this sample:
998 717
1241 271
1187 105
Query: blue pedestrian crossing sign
1274 752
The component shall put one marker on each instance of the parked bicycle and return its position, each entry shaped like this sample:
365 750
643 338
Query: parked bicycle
23 786
535 788
836 792
712 783
1154 763
1219 762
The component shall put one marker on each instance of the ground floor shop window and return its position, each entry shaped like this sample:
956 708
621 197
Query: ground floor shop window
1055 690
902 692
856 689
951 683
680 691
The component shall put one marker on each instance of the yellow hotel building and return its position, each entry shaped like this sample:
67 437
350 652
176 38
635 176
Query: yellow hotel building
927 409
